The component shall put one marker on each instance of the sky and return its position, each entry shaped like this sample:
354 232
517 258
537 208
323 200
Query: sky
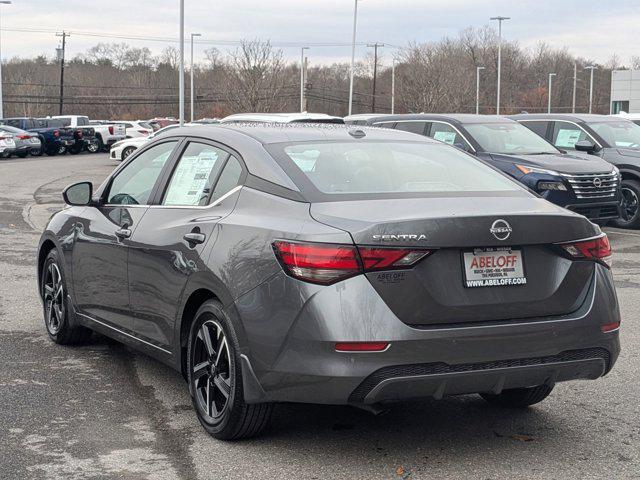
594 29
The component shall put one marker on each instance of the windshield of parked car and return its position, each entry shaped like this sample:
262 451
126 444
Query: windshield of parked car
509 139
392 167
622 133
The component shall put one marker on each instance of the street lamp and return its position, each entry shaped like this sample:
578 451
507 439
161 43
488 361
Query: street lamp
2 2
500 20
181 80
592 68
302 78
478 89
191 72
353 54
393 86
551 75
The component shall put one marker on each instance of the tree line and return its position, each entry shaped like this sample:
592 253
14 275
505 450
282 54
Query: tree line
118 81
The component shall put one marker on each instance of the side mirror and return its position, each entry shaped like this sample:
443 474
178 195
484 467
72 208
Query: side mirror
78 194
585 146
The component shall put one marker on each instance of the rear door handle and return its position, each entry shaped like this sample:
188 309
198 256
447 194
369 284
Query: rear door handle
123 233
194 239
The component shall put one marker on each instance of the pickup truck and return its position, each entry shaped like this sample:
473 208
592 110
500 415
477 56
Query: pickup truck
54 136
105 135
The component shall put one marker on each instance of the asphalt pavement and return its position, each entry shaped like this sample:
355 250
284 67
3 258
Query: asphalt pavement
104 411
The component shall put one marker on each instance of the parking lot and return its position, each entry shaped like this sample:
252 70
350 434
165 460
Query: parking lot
104 411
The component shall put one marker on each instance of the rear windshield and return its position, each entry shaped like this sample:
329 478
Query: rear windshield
389 168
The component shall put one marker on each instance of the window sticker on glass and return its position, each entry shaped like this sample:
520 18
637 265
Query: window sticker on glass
567 138
446 137
190 180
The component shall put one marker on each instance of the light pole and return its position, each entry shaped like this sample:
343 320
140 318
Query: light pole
191 91
478 89
353 54
592 68
181 80
3 2
551 75
500 20
302 78
393 86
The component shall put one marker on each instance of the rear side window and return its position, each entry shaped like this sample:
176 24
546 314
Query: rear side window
537 127
413 127
193 177
566 135
392 167
229 178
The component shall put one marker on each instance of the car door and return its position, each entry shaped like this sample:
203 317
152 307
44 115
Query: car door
100 249
170 243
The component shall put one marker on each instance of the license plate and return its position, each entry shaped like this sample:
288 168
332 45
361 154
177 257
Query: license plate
493 267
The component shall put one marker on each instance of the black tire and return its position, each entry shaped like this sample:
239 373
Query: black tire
101 146
519 397
94 146
630 211
22 154
55 303
223 417
127 151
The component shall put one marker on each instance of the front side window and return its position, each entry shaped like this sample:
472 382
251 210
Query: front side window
508 138
393 167
566 135
134 184
193 177
621 133
444 132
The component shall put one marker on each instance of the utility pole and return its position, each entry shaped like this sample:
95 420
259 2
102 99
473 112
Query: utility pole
551 75
393 86
191 90
375 47
478 89
575 83
500 20
592 68
3 2
61 53
307 85
353 55
302 78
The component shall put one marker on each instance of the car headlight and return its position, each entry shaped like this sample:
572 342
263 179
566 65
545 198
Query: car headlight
527 169
552 186
117 144
616 170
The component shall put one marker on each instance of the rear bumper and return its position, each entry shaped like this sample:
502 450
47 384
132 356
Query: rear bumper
299 364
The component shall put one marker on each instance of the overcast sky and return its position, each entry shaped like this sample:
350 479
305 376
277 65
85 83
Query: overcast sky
590 28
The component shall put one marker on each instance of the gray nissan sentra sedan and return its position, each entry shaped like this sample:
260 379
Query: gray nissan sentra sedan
329 264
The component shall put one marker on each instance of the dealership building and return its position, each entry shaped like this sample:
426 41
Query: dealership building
625 91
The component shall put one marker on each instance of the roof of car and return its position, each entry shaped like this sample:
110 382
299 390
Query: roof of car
278 117
463 118
570 117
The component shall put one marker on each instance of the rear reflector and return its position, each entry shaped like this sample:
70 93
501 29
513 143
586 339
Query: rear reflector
326 263
610 327
361 346
598 249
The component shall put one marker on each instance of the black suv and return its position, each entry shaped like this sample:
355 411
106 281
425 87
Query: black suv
587 185
615 139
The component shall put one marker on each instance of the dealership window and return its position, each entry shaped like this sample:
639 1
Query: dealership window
618 106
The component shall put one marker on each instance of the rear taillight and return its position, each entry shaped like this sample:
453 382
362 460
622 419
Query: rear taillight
110 129
24 137
56 133
325 263
597 249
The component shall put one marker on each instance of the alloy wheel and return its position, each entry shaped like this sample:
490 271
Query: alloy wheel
629 204
211 370
53 296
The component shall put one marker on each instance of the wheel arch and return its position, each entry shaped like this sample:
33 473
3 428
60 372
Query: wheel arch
628 174
46 245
